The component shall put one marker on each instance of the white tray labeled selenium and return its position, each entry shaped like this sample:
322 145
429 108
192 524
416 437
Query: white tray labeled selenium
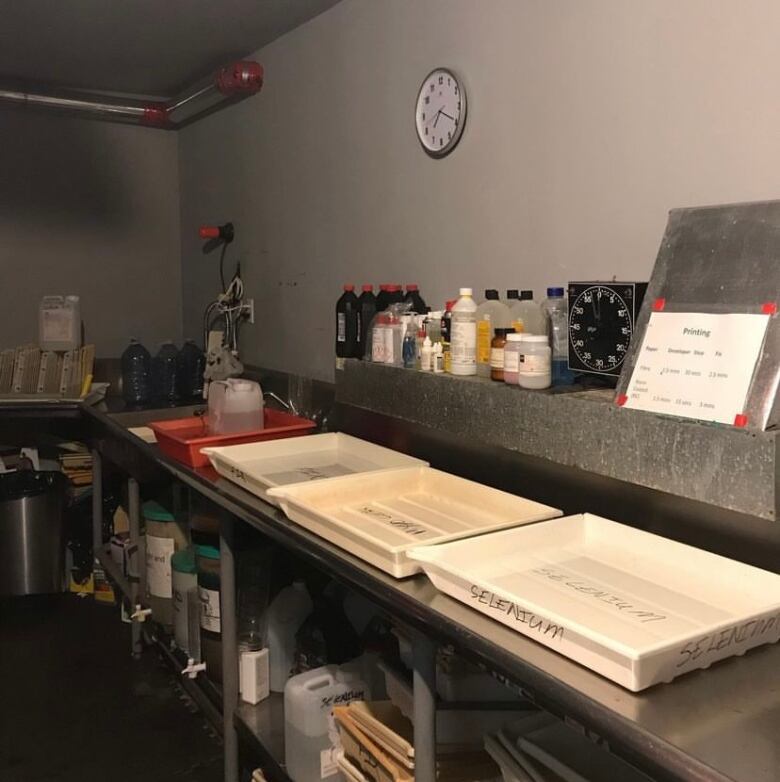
635 607
379 516
261 466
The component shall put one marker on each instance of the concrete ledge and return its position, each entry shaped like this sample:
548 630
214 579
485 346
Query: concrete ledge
730 468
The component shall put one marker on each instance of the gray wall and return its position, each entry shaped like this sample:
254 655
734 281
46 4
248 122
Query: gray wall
89 208
588 121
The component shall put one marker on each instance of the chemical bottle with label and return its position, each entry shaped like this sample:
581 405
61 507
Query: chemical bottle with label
437 358
446 323
530 313
309 699
463 334
394 337
366 312
491 314
285 615
555 310
379 327
347 323
413 297
136 374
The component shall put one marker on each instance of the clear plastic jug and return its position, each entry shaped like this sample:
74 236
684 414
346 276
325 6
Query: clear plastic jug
235 406
309 731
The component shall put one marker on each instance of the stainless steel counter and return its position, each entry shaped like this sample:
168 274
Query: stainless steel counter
709 726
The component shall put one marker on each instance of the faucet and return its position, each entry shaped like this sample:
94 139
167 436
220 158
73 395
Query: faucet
289 406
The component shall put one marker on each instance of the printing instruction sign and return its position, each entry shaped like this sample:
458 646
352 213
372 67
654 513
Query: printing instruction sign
697 365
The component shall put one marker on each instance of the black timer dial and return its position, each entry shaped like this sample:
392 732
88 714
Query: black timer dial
601 323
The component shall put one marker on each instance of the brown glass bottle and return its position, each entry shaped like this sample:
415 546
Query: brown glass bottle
497 353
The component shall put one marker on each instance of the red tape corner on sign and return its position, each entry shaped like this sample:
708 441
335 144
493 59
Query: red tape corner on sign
769 308
659 304
621 400
740 420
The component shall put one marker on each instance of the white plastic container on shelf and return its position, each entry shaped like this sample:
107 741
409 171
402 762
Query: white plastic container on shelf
284 617
463 335
309 734
534 369
59 323
635 607
235 405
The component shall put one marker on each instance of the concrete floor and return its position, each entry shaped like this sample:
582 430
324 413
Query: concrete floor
75 707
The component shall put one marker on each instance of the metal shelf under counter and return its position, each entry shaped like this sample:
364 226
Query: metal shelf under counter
715 725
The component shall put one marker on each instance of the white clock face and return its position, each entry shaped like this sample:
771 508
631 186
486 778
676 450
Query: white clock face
441 112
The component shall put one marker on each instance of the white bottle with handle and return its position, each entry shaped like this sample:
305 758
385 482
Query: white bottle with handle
235 405
309 732
463 335
284 617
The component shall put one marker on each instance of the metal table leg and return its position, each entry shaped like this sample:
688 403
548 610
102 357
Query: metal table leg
97 502
138 566
424 657
229 645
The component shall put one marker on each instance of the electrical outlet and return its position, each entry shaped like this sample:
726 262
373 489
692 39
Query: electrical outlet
250 310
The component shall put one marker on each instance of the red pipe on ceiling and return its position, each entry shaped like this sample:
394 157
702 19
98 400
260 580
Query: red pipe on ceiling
228 85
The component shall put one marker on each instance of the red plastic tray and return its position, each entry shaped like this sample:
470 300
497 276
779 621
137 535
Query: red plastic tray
182 438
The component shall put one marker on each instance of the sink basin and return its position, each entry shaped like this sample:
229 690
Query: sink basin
133 418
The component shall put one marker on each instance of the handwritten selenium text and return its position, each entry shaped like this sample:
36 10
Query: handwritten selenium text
533 622
599 593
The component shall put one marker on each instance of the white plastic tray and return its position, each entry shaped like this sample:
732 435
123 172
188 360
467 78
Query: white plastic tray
636 607
261 466
380 516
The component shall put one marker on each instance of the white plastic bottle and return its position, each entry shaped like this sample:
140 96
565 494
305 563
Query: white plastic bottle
463 331
284 618
491 314
437 358
555 310
530 313
426 355
309 736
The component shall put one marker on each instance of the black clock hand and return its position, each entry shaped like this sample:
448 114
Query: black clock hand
438 114
446 115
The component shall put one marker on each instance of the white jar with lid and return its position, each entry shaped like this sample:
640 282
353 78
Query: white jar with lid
535 362
512 358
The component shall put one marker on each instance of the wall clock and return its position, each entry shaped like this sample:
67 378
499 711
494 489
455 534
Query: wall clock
601 323
440 114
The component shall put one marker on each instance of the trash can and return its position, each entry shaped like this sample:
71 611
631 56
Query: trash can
32 535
